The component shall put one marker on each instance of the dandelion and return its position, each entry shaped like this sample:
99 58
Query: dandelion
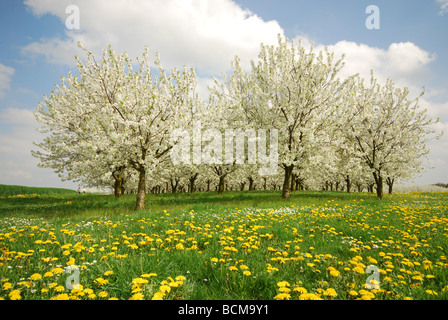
7 286
48 274
353 293
165 289
101 281
57 270
59 289
108 273
358 270
282 296
15 295
139 281
309 296
300 290
330 292
62 296
35 277
137 296
247 273
284 289
158 296
335 273
366 295
149 275
283 284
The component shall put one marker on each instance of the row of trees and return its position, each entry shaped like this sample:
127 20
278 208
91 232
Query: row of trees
113 123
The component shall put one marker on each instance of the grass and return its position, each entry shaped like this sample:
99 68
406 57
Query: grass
10 190
241 245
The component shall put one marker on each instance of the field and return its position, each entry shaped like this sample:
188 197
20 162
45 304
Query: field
241 245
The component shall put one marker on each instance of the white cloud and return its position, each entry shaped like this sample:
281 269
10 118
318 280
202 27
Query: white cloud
21 117
5 78
443 7
405 62
205 34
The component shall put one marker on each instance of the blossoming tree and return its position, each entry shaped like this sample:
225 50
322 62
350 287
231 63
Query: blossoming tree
293 90
122 116
388 130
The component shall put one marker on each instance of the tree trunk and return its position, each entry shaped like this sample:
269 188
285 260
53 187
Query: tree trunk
221 185
141 192
287 182
390 184
293 182
379 184
174 185
349 184
192 180
118 188
251 183
119 182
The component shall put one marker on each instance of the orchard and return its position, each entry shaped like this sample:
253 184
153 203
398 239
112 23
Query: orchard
133 126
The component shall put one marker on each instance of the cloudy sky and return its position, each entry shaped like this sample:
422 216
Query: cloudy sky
38 41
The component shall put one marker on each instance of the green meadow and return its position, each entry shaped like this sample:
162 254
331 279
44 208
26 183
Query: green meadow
57 244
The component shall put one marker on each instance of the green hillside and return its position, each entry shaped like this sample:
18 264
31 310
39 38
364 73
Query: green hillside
11 190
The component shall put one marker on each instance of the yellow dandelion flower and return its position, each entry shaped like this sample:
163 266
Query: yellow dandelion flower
283 284
7 286
57 270
15 295
330 292
165 288
358 270
59 289
137 296
62 296
282 296
300 290
432 292
353 293
139 281
158 295
335 273
35 277
101 281
149 275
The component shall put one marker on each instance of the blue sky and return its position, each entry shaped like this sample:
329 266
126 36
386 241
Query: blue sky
36 49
